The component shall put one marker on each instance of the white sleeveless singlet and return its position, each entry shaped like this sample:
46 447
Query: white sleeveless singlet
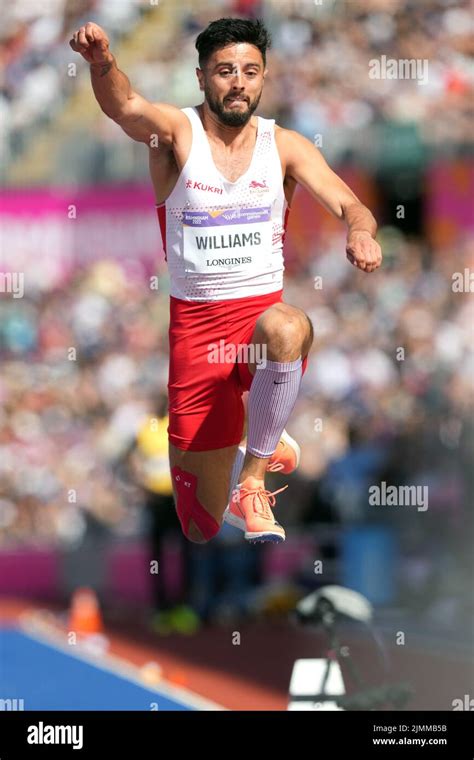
224 239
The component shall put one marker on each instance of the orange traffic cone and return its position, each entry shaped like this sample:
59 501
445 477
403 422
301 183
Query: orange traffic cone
85 617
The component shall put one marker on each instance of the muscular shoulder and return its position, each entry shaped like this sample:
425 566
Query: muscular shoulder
181 128
290 142
297 153
167 159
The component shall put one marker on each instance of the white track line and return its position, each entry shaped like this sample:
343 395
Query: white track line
117 665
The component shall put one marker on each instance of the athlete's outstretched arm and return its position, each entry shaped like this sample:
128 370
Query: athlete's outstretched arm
139 118
306 165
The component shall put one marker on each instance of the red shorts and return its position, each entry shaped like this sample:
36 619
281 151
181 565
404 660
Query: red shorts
205 397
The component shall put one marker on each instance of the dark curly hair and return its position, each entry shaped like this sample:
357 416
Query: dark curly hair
226 31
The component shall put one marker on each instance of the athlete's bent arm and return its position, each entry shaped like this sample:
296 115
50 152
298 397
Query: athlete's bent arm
306 165
139 118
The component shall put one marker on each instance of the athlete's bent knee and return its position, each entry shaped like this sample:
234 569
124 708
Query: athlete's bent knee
196 522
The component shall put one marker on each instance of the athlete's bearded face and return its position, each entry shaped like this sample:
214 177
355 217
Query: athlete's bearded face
233 83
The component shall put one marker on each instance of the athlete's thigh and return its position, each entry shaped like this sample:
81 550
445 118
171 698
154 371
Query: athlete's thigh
212 470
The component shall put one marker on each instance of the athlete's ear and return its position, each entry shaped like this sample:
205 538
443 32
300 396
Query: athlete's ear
200 76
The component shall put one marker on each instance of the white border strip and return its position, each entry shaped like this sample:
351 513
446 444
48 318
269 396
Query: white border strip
117 665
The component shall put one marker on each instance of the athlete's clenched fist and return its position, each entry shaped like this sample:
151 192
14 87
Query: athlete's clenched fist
363 251
92 43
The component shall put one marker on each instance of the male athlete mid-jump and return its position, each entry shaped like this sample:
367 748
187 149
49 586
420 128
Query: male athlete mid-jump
224 181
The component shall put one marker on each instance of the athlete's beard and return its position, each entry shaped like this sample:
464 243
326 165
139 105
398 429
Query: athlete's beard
231 117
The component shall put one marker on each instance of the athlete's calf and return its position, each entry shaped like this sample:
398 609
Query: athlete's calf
201 482
197 524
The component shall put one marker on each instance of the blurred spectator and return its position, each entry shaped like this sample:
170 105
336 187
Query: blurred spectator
318 82
149 463
367 411
63 424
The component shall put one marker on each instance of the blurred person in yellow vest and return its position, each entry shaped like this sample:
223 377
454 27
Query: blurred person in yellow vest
152 451
150 466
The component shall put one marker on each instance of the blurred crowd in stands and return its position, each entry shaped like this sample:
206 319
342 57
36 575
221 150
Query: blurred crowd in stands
318 80
386 395
388 391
